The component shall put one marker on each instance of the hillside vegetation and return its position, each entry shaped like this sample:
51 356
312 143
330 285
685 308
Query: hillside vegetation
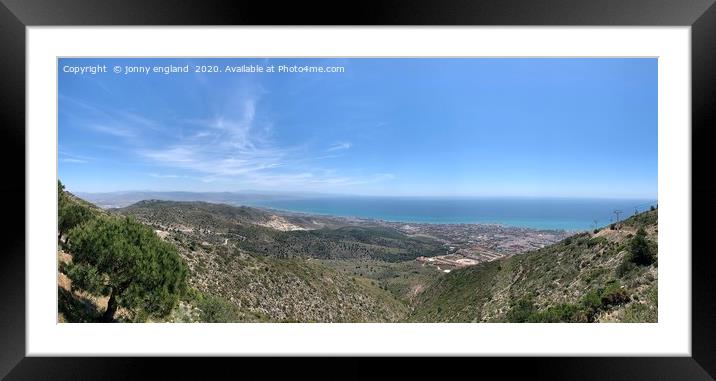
245 227
218 263
589 277
116 258
300 290
267 274
227 282
218 217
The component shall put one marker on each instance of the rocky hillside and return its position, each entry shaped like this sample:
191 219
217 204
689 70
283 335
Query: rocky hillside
600 276
253 265
270 273
264 288
259 232
231 284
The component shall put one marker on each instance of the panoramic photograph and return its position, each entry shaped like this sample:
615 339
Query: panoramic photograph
357 190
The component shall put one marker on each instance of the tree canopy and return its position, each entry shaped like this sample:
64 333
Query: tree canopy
71 215
124 259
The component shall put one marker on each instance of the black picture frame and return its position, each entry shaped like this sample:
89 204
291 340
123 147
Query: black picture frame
700 15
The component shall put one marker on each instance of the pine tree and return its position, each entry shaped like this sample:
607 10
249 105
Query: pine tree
71 215
125 260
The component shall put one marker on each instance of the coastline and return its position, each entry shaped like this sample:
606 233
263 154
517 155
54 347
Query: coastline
368 220
574 215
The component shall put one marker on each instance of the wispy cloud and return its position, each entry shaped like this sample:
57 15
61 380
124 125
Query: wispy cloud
233 145
340 146
227 145
123 124
118 131
71 160
214 162
236 148
319 179
67 157
163 176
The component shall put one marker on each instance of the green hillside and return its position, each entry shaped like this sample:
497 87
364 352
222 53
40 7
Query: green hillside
245 228
220 217
301 290
209 215
267 274
248 265
587 277
226 282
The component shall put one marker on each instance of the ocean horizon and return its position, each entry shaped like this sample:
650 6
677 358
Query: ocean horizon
535 213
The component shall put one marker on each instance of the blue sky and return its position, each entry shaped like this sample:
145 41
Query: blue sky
398 127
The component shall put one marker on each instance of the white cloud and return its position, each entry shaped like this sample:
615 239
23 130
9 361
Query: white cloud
122 124
113 130
215 160
74 161
340 146
161 176
224 146
67 157
233 147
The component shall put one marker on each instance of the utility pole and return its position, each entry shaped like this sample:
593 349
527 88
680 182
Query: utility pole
595 223
636 211
617 213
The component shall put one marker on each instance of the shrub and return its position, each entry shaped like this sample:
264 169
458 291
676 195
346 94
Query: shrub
640 313
591 302
639 250
561 313
521 311
217 310
596 300
596 241
625 267
640 254
613 295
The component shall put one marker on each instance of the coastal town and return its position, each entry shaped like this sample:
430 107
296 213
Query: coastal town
471 244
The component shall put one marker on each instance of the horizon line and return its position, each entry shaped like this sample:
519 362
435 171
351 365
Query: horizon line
316 193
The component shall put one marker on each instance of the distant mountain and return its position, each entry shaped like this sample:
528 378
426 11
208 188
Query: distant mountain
126 198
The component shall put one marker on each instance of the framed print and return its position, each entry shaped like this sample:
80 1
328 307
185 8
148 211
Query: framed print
452 179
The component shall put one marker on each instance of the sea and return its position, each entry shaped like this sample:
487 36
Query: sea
547 214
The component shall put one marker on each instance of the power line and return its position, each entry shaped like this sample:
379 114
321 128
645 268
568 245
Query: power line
617 212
